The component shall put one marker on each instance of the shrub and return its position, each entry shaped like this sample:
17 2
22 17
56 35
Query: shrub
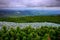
29 33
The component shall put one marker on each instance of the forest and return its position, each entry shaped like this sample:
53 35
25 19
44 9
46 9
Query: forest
30 19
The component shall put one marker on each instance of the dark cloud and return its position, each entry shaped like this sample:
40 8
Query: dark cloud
29 3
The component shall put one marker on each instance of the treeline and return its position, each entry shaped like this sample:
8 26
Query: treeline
55 19
29 33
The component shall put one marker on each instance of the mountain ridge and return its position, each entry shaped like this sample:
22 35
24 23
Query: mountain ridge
29 12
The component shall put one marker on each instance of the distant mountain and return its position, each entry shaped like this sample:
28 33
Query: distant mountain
5 13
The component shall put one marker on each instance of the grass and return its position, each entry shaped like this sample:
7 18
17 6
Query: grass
29 33
26 19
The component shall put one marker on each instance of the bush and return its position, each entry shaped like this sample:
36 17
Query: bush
29 33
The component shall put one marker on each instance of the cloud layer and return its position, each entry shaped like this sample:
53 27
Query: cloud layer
29 3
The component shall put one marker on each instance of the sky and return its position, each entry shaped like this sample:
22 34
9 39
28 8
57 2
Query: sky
29 3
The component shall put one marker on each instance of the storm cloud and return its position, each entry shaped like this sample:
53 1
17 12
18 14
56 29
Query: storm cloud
29 3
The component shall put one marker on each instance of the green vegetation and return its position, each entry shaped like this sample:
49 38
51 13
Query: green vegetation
55 19
29 33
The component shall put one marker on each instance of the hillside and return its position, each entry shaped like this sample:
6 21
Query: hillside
26 19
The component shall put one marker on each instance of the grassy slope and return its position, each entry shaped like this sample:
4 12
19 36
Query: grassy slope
55 19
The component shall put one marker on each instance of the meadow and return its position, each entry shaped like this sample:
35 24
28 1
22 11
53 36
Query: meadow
30 19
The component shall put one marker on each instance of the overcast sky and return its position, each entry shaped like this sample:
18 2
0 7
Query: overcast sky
29 3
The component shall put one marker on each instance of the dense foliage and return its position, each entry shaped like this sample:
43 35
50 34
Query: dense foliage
29 33
55 19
